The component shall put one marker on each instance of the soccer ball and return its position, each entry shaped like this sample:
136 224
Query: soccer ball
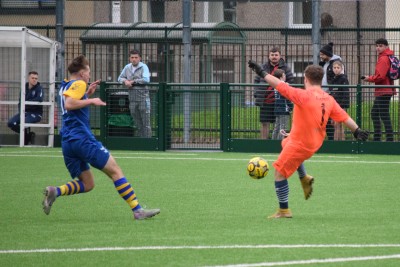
257 168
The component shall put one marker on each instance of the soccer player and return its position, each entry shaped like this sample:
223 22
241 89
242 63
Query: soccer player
79 146
312 109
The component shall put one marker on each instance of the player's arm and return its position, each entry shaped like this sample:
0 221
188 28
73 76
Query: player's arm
92 87
358 133
74 94
73 104
270 79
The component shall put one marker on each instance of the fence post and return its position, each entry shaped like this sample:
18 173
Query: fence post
359 105
103 113
162 116
225 116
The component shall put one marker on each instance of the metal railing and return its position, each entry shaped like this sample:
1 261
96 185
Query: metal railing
210 117
220 116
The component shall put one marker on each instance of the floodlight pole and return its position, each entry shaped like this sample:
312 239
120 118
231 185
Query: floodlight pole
316 30
187 43
60 6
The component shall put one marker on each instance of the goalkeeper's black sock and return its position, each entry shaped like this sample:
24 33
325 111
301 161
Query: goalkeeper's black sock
282 192
301 170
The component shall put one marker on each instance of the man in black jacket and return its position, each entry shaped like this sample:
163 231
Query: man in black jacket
33 113
265 97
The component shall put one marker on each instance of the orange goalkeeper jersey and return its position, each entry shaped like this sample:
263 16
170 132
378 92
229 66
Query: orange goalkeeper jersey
312 109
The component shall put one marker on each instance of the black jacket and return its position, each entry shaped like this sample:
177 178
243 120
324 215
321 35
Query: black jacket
342 94
33 94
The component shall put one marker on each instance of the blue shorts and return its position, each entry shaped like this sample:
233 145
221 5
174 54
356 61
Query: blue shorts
78 154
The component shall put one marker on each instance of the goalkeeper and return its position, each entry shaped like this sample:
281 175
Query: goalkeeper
312 109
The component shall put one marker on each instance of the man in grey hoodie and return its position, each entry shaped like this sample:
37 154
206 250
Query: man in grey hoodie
135 76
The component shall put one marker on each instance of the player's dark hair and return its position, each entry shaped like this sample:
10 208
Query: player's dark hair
382 41
77 64
314 74
33 72
278 73
135 52
275 49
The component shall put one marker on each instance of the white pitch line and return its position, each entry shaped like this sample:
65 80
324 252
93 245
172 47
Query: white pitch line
28 152
312 261
49 250
209 159
24 152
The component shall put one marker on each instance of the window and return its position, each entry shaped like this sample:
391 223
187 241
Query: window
27 6
223 70
116 11
230 11
157 11
298 66
300 14
21 4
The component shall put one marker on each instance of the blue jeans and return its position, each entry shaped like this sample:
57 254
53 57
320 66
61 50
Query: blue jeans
15 121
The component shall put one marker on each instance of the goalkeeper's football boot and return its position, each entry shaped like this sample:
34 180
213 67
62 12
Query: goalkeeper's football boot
50 195
142 214
307 182
281 213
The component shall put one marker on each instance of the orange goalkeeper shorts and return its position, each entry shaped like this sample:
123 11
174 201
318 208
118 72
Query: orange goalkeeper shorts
290 158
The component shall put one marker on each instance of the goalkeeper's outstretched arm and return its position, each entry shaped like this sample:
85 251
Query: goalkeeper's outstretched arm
351 124
270 79
358 133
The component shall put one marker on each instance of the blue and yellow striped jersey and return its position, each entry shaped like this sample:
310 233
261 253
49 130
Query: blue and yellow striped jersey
76 123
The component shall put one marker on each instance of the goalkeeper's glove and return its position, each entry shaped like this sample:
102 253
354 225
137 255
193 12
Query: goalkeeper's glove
256 68
360 134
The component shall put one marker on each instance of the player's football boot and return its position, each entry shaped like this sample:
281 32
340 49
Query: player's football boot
307 182
145 213
50 195
281 213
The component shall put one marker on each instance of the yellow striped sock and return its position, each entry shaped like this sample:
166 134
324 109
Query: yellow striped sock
71 188
125 190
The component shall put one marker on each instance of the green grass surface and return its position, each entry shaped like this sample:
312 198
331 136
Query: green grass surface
212 213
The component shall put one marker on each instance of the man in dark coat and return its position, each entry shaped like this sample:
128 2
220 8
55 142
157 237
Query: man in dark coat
265 96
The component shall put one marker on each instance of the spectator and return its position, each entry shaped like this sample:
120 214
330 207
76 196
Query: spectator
33 113
380 109
135 76
282 109
267 103
327 58
341 95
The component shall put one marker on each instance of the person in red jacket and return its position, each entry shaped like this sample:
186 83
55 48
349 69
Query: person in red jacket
380 109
